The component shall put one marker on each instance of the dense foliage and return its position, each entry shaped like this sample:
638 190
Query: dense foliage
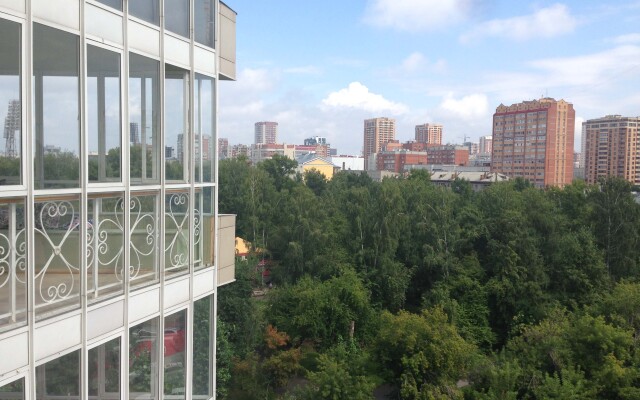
428 292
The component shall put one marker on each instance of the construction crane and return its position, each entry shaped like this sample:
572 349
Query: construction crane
12 125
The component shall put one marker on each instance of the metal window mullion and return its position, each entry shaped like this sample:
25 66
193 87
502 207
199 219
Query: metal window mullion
214 178
13 275
126 180
161 219
102 131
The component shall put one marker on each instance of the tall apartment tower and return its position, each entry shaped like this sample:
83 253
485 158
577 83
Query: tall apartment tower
429 133
110 267
534 140
377 133
611 148
486 144
266 132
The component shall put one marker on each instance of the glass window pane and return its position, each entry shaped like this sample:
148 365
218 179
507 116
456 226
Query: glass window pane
203 228
103 115
204 20
197 230
143 360
104 371
105 246
177 16
117 4
147 10
59 377
174 355
202 349
176 139
176 233
13 390
144 240
144 117
203 127
10 101
55 108
57 258
13 264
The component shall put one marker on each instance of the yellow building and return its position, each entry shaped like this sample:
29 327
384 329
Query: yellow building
311 161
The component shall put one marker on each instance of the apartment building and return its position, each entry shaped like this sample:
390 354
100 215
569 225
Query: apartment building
485 144
265 132
429 133
107 261
534 140
377 133
611 148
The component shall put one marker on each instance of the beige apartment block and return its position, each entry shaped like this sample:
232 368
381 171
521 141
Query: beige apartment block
377 133
429 133
611 148
534 140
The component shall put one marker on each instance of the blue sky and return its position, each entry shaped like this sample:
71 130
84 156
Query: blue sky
321 68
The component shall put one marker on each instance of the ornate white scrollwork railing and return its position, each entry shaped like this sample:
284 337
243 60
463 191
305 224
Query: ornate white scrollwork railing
13 265
144 239
177 232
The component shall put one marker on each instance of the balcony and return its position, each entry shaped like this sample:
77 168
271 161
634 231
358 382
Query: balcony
227 45
226 248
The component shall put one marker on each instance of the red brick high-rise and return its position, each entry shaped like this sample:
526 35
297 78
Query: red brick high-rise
534 140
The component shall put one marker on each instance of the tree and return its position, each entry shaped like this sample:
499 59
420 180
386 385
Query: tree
280 168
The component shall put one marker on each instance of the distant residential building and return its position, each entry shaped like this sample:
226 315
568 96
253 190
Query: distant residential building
377 133
448 154
261 152
238 150
429 133
223 148
534 140
478 180
348 163
611 147
134 133
485 144
473 148
169 152
396 161
312 161
266 132
315 140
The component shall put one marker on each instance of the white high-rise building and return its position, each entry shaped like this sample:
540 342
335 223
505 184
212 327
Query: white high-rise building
111 247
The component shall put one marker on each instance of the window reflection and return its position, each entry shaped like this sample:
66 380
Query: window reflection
176 128
59 377
144 119
104 371
117 4
203 127
144 239
174 355
202 349
13 390
204 18
103 114
55 108
105 246
143 360
146 10
13 264
10 101
203 228
177 16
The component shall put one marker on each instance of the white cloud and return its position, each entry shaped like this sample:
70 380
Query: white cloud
416 15
631 38
546 22
306 70
358 96
470 107
417 62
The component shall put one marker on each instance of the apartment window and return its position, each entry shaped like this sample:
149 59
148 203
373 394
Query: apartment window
204 20
13 390
105 246
59 377
143 360
56 108
203 226
203 127
175 343
202 341
57 260
144 220
10 104
176 126
104 371
13 264
177 217
177 16
144 94
146 10
117 4
104 132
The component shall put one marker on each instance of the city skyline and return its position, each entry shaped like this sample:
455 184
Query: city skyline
448 62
